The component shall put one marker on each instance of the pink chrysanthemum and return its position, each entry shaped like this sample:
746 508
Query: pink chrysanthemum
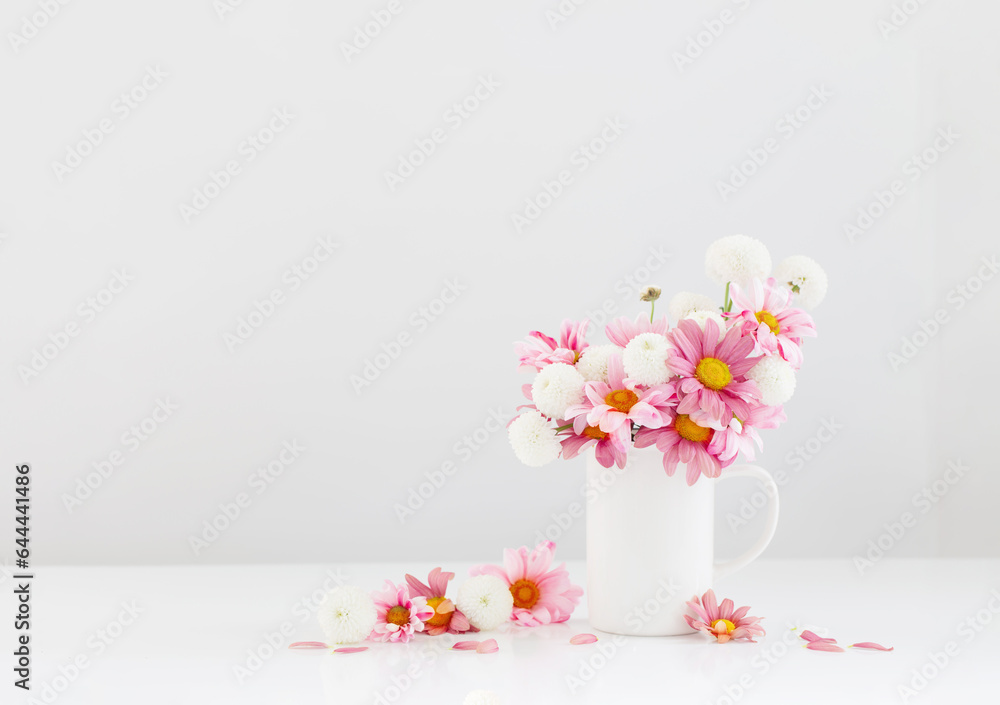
539 350
765 313
399 615
610 449
741 437
621 330
541 595
713 372
447 618
721 620
685 441
614 405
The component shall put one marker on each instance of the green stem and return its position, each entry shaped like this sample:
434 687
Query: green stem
652 307
728 303
563 428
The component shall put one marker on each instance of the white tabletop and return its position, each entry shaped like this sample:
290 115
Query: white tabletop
192 634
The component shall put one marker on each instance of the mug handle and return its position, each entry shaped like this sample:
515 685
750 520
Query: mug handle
722 569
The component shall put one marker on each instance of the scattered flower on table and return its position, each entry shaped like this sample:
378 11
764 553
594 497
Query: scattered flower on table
400 616
721 620
347 615
446 617
541 594
582 639
350 649
486 601
465 645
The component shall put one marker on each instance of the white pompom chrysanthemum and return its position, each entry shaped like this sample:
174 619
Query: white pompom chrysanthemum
593 364
805 278
775 379
645 359
737 258
700 317
486 601
685 303
481 697
535 442
556 388
347 615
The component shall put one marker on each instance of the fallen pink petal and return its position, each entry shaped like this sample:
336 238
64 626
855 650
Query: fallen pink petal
583 639
823 646
350 649
465 645
813 637
871 645
487 647
308 645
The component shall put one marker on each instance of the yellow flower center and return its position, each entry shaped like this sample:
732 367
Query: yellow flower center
769 319
726 624
622 399
398 615
525 594
713 373
438 620
594 432
691 431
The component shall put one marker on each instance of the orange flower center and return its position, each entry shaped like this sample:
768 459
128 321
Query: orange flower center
769 319
525 594
622 399
594 432
690 431
723 624
713 373
398 615
438 620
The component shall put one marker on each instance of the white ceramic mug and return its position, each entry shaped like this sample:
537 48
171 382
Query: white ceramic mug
650 542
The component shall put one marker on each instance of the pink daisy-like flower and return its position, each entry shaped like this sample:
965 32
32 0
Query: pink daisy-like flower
740 437
447 618
539 350
713 371
765 312
399 616
721 620
541 595
621 330
685 441
614 405
609 448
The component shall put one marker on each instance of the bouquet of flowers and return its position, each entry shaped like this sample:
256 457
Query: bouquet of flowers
699 391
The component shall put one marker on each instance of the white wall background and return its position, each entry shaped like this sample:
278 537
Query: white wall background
323 176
